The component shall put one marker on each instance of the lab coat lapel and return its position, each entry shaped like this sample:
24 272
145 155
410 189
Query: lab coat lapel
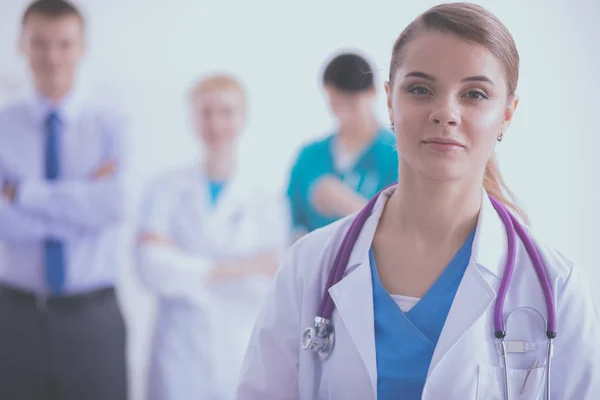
353 298
473 298
475 294
353 295
228 202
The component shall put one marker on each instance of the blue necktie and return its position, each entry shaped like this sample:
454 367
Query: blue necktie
54 249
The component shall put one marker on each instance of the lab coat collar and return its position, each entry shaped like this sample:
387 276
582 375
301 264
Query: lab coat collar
489 245
360 252
233 189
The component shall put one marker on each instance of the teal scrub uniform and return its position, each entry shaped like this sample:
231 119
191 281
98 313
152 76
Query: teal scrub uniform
405 342
374 169
215 188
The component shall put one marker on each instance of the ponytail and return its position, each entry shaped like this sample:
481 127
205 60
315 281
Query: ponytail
495 186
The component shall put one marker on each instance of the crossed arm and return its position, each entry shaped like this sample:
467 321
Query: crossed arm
36 209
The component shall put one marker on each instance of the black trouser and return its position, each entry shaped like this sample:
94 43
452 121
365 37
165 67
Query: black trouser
67 348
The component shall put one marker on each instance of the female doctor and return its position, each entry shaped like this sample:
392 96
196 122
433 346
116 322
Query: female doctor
414 311
208 247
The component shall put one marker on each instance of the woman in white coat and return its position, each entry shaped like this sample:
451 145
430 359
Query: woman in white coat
414 311
208 246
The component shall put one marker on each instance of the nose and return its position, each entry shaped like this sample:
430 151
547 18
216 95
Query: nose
446 113
53 55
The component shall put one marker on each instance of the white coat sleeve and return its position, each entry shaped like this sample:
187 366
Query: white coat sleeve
270 369
274 217
167 270
172 272
576 360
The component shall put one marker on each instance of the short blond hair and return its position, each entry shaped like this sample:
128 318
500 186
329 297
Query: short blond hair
217 82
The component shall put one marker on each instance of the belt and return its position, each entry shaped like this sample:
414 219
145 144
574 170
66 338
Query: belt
42 301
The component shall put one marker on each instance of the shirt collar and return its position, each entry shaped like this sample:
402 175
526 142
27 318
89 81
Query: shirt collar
66 108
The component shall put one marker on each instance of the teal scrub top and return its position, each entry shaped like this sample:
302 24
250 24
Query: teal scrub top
405 342
215 188
375 169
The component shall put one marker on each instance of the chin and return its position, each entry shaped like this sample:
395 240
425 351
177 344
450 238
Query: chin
220 145
443 172
55 82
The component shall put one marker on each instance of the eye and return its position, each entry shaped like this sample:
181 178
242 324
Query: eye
39 44
476 94
420 90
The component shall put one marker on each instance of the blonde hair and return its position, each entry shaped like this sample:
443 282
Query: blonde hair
476 25
221 82
495 186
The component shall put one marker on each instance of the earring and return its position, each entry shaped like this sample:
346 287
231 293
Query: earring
392 127
501 136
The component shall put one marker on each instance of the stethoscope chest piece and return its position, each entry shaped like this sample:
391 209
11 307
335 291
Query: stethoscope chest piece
319 338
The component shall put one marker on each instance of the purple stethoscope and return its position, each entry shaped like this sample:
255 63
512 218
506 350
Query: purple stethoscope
320 337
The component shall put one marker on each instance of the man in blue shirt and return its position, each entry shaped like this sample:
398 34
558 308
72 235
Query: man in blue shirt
62 201
335 176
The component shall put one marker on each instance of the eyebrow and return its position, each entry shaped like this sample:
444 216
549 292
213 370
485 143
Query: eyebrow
478 78
418 74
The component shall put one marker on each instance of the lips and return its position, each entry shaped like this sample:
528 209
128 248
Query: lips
443 141
443 145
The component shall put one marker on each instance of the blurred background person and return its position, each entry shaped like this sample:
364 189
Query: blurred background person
335 176
63 201
209 243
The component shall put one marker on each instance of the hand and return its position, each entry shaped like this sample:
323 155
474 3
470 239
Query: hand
332 198
106 169
326 195
154 238
220 273
261 264
9 191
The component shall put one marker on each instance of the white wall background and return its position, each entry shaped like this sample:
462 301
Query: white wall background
143 55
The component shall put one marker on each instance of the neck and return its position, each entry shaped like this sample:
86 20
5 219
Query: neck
434 211
53 93
219 164
355 137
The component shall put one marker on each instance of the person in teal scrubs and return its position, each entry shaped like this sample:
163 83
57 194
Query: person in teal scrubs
335 176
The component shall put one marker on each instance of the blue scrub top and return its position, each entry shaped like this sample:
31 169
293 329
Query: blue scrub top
375 169
405 342
215 188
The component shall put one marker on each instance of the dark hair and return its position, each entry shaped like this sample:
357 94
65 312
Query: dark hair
474 24
51 9
349 72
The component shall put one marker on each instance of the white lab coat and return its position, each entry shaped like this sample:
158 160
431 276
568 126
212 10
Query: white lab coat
465 365
202 329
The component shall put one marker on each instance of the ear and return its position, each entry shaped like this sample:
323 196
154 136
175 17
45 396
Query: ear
389 95
510 112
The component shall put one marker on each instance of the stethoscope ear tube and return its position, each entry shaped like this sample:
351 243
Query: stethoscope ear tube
542 274
343 255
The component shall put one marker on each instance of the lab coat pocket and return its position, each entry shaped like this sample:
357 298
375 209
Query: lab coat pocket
490 384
